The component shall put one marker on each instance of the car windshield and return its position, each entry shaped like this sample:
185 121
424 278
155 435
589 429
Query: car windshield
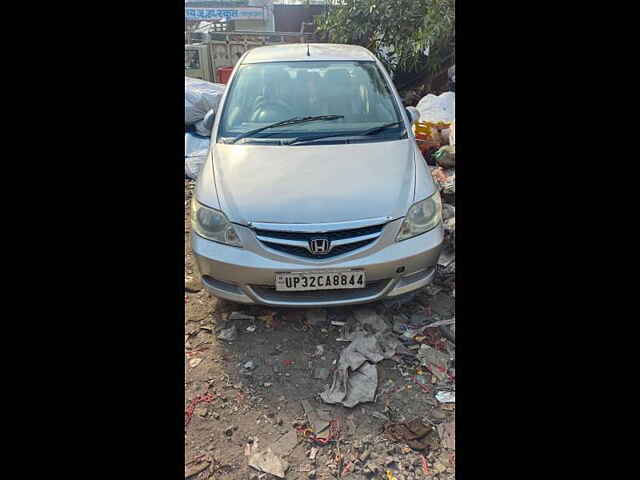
262 94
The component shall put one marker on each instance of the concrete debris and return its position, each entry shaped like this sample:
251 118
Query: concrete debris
250 365
447 433
285 444
266 461
317 423
228 334
435 361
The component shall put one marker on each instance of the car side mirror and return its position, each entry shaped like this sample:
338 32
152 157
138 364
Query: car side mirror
414 114
208 120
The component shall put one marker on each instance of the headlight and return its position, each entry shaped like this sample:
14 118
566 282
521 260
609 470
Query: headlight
421 217
213 225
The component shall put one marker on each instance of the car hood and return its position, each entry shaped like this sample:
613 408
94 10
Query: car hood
314 183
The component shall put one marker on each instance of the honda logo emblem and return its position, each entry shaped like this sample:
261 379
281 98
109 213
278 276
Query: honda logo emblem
319 246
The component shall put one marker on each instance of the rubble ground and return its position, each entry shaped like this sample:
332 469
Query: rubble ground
245 394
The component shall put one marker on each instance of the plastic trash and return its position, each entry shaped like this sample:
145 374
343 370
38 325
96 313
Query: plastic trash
268 462
439 108
200 96
196 148
356 377
446 397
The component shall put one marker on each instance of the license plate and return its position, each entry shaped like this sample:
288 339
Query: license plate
331 280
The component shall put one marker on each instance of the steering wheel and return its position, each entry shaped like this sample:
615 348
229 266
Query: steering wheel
277 108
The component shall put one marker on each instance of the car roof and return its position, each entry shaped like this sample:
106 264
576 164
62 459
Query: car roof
297 52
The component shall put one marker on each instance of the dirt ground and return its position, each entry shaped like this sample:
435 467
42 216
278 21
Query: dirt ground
230 405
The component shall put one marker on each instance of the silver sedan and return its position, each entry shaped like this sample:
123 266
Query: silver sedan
314 192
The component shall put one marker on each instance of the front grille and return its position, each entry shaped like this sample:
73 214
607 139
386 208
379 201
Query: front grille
303 252
278 241
337 235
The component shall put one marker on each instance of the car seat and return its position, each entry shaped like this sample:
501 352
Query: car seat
276 83
339 91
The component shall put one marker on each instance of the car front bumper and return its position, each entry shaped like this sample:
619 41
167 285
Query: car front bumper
247 275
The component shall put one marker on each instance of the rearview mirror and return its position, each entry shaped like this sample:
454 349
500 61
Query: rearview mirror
414 114
208 120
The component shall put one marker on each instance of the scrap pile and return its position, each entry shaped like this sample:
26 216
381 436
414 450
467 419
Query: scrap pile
199 98
436 138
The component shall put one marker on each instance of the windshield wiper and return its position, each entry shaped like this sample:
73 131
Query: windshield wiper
290 121
371 131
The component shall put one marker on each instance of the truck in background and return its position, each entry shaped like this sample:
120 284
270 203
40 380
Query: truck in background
212 60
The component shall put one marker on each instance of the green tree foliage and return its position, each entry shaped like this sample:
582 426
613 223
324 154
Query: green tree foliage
400 28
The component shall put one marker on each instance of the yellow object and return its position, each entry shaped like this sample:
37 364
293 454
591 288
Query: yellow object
425 128
390 475
428 135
